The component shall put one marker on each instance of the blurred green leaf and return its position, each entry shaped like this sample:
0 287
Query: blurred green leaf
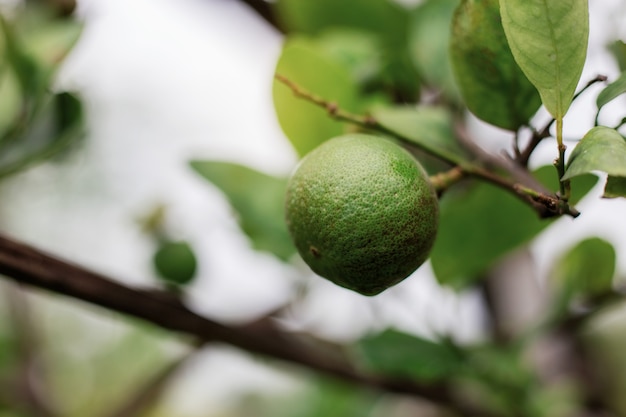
549 42
601 149
49 41
29 74
175 262
258 199
500 379
480 224
615 187
428 127
358 51
383 19
321 397
10 98
618 49
331 399
429 38
586 269
492 84
403 355
612 91
306 125
56 124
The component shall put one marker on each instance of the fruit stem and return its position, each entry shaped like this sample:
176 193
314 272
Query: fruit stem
564 186
444 180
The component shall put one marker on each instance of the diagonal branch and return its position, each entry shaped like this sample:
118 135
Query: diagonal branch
30 266
546 205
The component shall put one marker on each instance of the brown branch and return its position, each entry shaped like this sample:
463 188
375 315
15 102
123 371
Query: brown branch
530 191
30 266
543 133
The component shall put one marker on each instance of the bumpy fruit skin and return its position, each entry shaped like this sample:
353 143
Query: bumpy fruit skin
362 212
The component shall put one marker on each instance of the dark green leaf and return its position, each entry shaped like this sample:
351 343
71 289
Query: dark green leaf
615 187
548 39
258 200
492 85
480 224
403 355
175 262
56 124
428 127
586 269
306 64
612 91
601 149
382 17
429 38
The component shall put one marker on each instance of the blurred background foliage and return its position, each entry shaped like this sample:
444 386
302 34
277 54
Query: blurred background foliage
375 56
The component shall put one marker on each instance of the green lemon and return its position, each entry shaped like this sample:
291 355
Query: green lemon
362 212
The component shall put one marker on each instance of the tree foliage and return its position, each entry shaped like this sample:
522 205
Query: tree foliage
412 74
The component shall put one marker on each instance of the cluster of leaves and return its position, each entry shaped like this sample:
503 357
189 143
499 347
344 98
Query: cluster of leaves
415 70
359 55
36 123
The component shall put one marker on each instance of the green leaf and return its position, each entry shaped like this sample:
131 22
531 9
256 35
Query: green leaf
429 37
10 98
548 39
601 149
55 124
493 86
382 17
618 49
615 187
175 262
586 269
358 51
612 91
258 200
403 355
306 64
50 41
30 76
482 223
428 127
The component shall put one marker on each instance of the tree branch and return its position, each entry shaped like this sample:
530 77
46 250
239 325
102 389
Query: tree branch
30 266
546 205
539 135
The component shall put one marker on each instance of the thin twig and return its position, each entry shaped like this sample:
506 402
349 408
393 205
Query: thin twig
30 266
546 205
539 135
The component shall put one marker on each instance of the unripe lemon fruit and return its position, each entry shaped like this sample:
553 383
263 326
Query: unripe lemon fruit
362 212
